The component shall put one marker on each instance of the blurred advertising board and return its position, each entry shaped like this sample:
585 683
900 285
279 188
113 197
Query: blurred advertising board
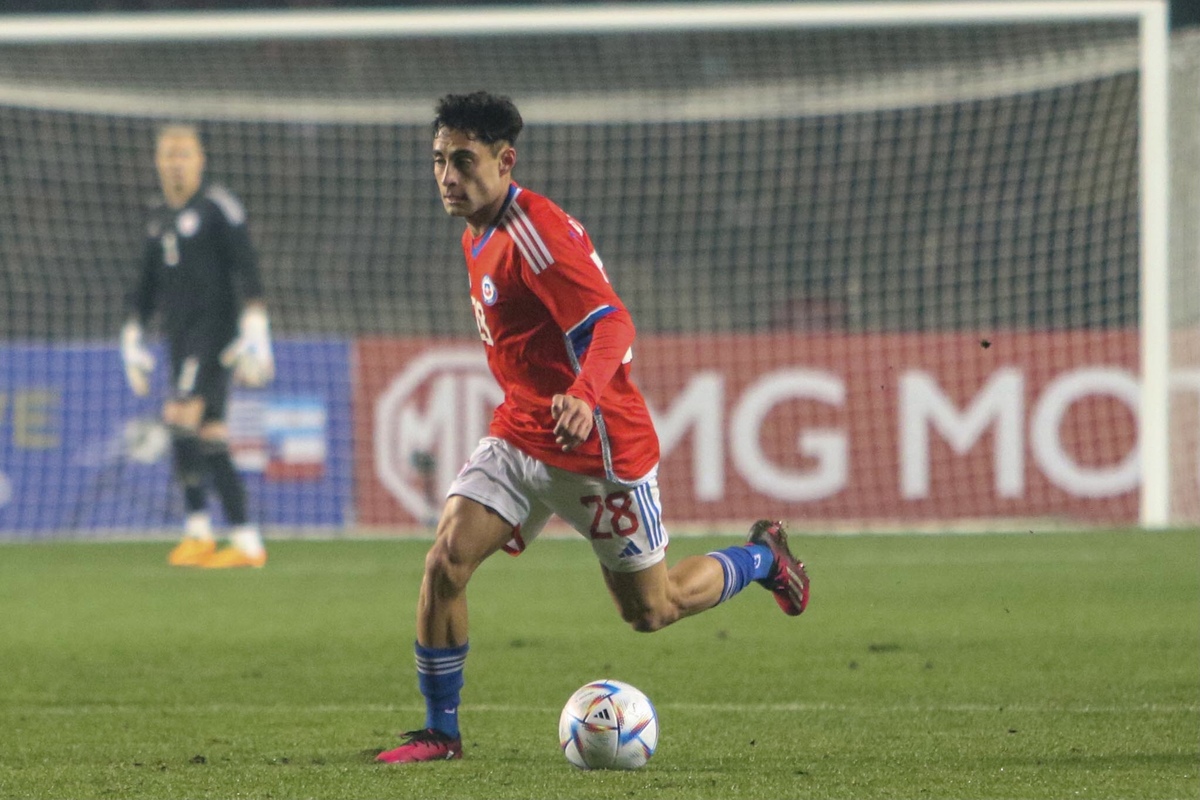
79 453
821 427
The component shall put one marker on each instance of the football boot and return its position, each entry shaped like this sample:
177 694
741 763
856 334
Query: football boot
423 745
234 557
191 552
787 579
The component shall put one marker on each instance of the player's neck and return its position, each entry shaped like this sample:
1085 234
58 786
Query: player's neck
179 198
488 215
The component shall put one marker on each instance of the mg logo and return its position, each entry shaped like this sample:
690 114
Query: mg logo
427 423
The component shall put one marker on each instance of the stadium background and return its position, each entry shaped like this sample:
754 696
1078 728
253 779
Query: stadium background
380 387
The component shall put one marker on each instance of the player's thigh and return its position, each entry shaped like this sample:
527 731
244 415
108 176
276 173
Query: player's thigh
489 505
468 532
199 389
214 430
641 595
623 523
187 413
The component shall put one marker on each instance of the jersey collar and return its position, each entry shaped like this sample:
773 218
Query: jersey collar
478 245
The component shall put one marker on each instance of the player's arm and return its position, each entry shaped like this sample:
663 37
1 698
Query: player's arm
597 328
136 357
612 337
250 354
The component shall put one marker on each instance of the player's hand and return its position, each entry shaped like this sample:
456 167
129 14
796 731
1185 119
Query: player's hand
250 353
138 360
572 421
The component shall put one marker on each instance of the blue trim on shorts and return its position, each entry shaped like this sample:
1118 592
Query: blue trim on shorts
653 519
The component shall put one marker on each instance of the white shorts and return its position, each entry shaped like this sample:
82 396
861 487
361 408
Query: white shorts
623 523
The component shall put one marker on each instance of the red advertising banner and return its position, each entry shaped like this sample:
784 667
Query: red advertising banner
823 428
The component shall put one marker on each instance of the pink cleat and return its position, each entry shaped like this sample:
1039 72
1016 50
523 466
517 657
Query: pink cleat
423 745
787 581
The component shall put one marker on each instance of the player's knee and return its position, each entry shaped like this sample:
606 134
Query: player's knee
214 433
446 571
648 622
184 413
175 418
648 619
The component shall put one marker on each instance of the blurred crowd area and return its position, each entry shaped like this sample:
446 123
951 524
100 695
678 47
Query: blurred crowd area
1183 12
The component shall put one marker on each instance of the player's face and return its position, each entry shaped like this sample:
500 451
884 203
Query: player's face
180 162
473 177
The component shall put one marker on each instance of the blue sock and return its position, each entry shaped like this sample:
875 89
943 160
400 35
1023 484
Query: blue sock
440 676
742 564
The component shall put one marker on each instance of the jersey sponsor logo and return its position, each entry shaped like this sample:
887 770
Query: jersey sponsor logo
487 288
188 223
170 249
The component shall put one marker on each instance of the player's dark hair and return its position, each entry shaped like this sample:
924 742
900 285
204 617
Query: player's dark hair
483 116
178 128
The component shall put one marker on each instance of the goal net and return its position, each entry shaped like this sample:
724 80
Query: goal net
892 265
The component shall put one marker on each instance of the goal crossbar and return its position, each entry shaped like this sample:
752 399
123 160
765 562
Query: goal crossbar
601 18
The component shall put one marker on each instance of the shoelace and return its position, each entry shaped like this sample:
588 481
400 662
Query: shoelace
425 736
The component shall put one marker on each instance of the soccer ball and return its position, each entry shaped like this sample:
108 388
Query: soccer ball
608 724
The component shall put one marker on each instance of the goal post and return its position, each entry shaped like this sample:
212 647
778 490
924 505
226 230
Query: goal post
893 264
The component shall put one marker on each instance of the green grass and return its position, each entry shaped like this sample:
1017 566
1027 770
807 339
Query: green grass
1006 666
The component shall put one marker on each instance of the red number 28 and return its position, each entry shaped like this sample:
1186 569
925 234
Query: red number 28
621 518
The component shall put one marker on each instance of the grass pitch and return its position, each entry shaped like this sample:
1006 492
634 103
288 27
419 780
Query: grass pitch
1006 666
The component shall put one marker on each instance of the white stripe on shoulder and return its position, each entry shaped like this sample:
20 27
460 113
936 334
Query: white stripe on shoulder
521 233
230 206
527 238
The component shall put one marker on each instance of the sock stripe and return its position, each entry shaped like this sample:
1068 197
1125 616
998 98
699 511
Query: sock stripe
727 570
440 666
440 660
440 678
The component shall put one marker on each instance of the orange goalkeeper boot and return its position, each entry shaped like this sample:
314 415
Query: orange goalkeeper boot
234 557
191 552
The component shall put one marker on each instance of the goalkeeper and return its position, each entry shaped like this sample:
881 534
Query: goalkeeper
200 274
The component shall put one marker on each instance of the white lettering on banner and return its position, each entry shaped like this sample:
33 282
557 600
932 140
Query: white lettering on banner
460 398
699 407
828 447
924 405
432 415
1045 438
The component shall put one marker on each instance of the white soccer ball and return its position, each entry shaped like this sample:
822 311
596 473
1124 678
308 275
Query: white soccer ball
608 724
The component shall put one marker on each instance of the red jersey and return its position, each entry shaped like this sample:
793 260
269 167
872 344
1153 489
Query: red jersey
552 324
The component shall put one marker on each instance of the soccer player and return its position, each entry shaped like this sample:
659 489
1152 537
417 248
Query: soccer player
573 436
200 272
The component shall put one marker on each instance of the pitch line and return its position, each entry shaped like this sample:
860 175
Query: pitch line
755 708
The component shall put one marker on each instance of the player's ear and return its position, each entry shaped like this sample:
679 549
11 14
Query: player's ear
508 159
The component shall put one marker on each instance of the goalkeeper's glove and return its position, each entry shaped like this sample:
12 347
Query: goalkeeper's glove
250 353
139 362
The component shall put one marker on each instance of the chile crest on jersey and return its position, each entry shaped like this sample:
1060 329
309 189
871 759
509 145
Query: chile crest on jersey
487 290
